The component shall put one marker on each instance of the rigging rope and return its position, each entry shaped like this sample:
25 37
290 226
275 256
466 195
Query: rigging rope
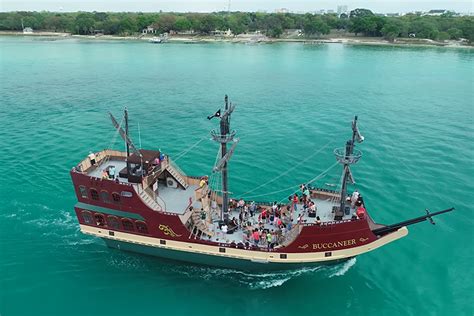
308 182
291 169
184 152
112 142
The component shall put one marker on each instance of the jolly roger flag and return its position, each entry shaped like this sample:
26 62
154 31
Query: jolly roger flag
217 114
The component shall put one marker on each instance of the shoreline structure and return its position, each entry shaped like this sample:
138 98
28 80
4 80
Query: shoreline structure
250 39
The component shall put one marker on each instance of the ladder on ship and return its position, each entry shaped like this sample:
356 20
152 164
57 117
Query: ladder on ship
147 197
176 174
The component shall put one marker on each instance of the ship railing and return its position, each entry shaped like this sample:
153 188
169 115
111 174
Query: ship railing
292 234
101 157
152 175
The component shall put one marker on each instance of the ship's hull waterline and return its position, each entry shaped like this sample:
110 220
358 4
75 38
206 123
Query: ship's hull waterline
232 258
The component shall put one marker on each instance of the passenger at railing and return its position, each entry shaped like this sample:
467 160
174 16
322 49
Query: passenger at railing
156 161
256 236
252 208
162 156
203 182
92 158
295 202
263 237
234 222
240 204
104 174
318 220
354 198
361 212
312 209
269 239
274 206
305 194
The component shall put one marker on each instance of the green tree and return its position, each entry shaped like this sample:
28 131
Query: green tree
84 23
454 33
392 29
360 13
182 24
315 25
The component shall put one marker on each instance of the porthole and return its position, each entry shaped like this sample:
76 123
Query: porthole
116 197
94 194
127 225
87 217
83 191
113 222
104 196
141 227
99 220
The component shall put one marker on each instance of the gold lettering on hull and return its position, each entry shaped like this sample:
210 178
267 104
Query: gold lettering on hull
168 231
334 245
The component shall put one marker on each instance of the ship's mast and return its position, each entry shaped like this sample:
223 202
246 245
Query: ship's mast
126 134
225 136
225 125
348 156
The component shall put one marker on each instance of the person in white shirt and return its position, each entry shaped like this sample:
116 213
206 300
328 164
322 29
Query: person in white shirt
92 157
354 198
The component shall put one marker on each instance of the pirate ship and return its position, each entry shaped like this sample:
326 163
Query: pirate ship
141 201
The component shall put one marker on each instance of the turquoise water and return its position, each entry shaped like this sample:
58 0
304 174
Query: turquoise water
415 107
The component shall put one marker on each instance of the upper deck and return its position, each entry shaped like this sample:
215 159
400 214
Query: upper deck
161 185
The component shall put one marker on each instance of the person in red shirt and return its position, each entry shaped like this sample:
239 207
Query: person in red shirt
256 236
360 212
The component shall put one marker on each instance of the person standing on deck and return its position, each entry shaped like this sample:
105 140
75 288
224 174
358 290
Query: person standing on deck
112 172
295 202
252 208
92 158
354 198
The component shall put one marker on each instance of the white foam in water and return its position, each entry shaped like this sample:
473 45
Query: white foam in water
342 269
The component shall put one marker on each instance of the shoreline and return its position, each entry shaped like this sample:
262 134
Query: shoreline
251 39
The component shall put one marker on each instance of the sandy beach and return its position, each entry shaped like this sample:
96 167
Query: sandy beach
253 39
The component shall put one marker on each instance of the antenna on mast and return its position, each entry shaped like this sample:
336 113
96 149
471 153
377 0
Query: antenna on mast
346 157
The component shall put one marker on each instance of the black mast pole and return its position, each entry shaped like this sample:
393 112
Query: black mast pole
347 160
126 133
224 125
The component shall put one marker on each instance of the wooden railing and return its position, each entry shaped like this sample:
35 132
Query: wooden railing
85 164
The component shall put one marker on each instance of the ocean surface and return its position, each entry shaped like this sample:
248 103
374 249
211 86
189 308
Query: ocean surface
295 104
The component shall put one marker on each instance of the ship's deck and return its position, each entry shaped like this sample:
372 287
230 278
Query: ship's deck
176 200
96 171
324 211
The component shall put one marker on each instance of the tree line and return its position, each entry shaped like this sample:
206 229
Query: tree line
358 21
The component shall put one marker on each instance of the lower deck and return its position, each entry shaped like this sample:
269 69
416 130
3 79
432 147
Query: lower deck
290 218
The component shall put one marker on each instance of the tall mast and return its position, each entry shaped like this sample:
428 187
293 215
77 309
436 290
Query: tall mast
348 156
126 134
223 137
225 125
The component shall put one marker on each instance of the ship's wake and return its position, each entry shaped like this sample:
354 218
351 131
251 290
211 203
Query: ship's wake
265 280
250 280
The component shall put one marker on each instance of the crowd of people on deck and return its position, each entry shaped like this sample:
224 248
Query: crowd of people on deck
267 226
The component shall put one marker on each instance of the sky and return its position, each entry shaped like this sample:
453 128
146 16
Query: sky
382 6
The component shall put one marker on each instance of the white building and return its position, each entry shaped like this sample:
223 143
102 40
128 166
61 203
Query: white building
436 12
342 9
149 30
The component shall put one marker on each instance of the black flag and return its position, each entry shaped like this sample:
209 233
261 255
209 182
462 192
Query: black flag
217 114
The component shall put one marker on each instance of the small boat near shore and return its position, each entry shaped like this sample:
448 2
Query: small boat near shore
141 201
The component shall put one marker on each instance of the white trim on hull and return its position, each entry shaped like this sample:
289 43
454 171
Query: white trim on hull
249 255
